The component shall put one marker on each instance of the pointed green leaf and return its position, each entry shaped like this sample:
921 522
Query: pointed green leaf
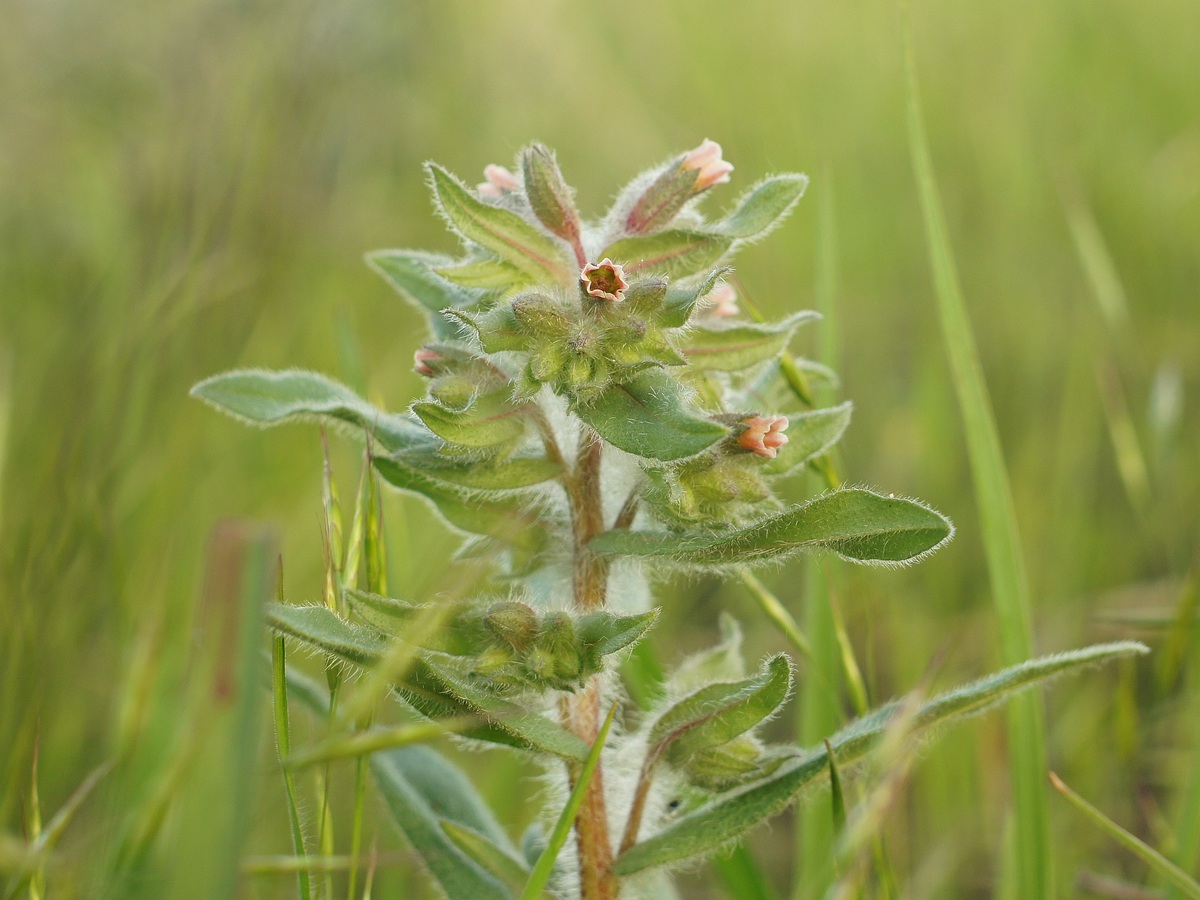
764 206
262 398
412 273
604 633
548 193
496 330
680 302
499 230
506 519
321 628
857 524
718 713
729 816
677 253
728 347
490 475
811 434
422 790
487 274
493 859
489 421
649 417
527 729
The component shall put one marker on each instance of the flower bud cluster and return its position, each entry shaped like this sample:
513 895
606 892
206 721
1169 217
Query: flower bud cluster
514 647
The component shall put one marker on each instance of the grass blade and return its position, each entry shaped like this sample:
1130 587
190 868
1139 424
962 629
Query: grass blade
283 746
562 828
742 875
1159 863
1006 565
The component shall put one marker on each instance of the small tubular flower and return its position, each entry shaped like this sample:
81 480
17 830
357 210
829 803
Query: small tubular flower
604 280
499 181
712 168
764 436
421 360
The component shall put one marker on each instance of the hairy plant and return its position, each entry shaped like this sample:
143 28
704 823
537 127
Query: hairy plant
597 410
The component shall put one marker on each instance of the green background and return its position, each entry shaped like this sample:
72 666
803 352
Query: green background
189 186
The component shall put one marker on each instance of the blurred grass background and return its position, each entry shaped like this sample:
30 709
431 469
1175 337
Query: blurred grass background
188 186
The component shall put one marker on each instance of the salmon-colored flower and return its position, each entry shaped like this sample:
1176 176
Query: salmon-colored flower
499 182
764 436
421 360
707 159
604 280
722 301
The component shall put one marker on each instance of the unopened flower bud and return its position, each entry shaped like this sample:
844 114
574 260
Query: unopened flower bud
422 359
712 168
499 182
604 281
722 301
513 622
764 436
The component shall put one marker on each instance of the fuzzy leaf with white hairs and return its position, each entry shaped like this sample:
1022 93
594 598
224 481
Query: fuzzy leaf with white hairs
764 206
856 524
648 417
265 398
503 232
728 816
723 347
676 253
422 791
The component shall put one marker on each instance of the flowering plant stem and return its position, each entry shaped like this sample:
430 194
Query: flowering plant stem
581 710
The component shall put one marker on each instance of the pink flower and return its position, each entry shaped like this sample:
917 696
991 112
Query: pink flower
499 182
707 158
722 301
604 281
764 436
421 360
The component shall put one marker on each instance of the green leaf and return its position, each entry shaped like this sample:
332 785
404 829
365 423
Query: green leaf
604 633
422 790
487 274
490 475
512 871
499 230
730 347
323 629
729 816
548 193
544 866
764 206
680 302
648 417
521 727
490 420
411 274
496 330
509 520
262 398
676 253
811 434
718 713
857 524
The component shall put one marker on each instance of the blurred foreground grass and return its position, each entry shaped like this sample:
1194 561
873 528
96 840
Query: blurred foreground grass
188 186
